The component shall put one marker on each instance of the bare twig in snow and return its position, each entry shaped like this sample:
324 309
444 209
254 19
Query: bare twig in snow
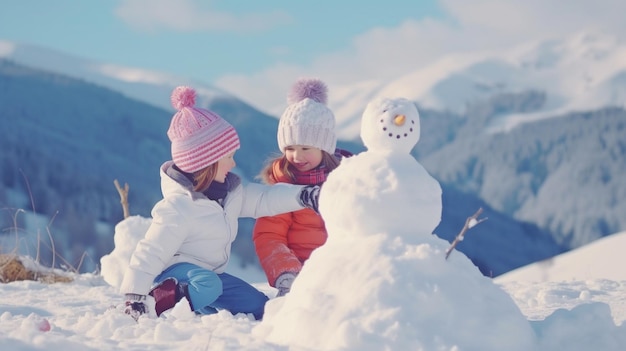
123 196
54 252
470 222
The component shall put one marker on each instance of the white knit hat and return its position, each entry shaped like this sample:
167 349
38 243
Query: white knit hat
199 137
307 120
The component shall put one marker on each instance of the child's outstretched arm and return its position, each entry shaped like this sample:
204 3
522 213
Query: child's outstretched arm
269 200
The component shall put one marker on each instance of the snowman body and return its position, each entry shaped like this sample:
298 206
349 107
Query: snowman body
386 194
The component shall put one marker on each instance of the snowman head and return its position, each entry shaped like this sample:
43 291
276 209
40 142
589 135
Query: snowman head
390 125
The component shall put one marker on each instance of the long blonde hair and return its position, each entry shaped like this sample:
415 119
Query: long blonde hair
329 161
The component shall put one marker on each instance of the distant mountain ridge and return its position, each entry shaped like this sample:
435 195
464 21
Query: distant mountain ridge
563 174
535 133
583 72
67 140
64 142
148 86
71 138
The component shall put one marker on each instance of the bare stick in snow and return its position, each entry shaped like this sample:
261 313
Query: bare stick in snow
470 222
123 197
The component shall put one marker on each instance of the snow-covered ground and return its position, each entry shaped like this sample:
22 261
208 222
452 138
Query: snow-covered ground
80 316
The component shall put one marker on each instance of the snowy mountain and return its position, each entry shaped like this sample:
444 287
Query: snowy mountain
522 176
598 260
536 131
584 72
562 174
82 147
64 142
140 84
154 88
70 137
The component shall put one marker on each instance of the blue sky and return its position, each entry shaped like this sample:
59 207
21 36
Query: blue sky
226 37
256 49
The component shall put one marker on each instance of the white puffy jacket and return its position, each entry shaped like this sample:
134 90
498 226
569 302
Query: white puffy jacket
189 227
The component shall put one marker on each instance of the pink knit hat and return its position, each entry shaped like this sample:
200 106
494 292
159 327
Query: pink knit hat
199 137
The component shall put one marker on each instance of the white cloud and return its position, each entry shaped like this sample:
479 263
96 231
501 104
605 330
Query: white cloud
133 75
533 18
193 15
387 53
6 48
260 89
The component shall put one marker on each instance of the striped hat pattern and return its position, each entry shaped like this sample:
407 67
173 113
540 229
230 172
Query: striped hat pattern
199 137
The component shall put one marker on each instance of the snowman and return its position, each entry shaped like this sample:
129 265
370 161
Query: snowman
385 179
381 281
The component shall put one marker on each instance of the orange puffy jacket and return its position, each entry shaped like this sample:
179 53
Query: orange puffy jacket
283 242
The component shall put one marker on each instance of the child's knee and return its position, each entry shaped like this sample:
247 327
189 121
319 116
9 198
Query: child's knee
204 287
204 278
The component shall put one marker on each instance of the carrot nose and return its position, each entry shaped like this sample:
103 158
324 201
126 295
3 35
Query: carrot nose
399 120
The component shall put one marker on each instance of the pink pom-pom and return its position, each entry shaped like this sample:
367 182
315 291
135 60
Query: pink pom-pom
311 88
43 325
183 96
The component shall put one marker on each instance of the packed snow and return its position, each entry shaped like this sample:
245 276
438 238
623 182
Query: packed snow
381 282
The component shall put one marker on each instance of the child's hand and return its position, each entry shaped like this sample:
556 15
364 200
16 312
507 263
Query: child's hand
135 305
283 283
309 197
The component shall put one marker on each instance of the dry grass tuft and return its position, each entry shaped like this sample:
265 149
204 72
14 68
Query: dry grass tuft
13 269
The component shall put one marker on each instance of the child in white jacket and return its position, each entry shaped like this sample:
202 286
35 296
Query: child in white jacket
186 249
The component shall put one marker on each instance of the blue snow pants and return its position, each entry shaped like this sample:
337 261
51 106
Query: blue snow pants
209 291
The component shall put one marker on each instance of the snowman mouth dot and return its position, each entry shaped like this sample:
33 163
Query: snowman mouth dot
398 136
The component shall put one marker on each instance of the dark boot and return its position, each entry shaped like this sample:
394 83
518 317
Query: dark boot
165 295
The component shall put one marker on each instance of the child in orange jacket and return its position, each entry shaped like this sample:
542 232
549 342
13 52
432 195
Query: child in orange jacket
306 138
